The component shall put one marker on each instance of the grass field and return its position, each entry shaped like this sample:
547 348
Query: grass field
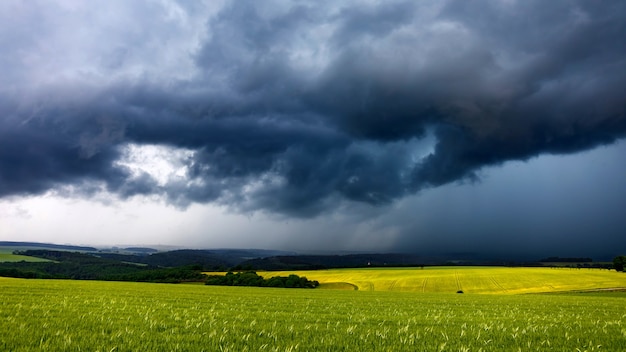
500 280
6 255
59 315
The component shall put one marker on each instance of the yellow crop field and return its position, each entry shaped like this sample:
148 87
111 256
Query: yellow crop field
486 280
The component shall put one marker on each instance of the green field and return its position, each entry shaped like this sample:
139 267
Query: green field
6 255
62 315
500 280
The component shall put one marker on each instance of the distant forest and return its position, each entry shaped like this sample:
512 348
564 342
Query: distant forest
47 245
82 266
85 266
566 260
145 264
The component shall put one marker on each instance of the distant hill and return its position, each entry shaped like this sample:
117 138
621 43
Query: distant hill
47 246
261 259
87 266
209 259
141 250
309 262
565 260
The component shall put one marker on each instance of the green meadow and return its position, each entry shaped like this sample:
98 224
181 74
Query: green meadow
62 315
6 255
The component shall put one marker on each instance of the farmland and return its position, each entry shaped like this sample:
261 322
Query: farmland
6 255
121 316
499 280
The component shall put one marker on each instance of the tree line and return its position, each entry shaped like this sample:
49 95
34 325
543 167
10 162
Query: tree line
619 263
251 278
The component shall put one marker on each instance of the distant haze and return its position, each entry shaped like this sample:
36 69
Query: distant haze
490 127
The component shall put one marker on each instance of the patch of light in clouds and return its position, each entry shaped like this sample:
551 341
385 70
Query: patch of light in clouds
162 163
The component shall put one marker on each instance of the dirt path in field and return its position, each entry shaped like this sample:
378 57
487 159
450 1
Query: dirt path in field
356 288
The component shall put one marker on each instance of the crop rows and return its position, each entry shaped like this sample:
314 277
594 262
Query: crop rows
59 315
499 280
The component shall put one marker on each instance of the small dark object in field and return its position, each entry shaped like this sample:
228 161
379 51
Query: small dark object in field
459 291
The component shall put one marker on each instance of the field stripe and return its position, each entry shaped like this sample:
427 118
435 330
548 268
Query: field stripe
497 284
458 282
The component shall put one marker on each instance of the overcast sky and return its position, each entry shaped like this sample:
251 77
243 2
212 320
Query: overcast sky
407 126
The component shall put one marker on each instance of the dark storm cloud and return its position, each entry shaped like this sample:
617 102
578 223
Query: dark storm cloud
292 108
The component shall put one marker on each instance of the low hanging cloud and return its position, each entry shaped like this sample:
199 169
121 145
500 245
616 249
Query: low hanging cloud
294 108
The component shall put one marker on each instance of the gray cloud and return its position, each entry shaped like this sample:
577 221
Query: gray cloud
295 108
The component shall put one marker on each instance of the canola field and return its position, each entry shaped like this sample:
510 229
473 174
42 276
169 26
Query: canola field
62 315
498 280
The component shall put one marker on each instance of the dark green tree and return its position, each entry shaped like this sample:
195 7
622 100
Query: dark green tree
619 262
251 278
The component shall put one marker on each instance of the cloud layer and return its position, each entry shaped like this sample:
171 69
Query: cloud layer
295 108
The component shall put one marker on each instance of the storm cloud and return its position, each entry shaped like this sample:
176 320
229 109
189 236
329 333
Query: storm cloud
294 108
